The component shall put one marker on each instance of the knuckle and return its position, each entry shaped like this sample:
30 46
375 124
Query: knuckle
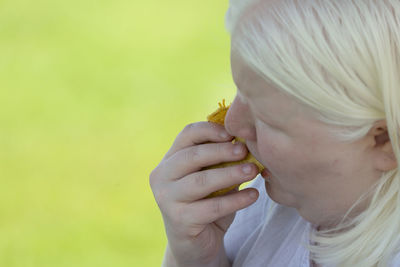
160 194
220 148
189 127
157 174
200 179
164 199
153 177
217 207
185 131
159 189
192 154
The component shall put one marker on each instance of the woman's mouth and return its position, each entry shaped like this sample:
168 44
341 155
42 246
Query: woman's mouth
266 174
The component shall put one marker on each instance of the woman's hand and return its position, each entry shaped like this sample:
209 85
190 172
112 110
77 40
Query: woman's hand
195 226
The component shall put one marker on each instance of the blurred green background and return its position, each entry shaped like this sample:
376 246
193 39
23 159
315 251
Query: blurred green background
92 95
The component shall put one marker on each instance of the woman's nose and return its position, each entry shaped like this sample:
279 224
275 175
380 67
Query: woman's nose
239 121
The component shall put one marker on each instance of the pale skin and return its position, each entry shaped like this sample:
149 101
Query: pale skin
195 226
310 169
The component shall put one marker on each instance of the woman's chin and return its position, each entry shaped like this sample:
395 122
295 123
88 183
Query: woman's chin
270 191
276 194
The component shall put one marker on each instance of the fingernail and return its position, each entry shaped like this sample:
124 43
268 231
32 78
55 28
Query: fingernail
246 169
238 149
252 194
224 134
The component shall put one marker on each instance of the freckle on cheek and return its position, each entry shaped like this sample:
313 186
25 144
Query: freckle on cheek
335 163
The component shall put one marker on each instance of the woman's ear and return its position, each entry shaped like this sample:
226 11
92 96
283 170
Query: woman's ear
383 156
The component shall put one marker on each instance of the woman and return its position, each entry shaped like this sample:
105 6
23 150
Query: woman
318 91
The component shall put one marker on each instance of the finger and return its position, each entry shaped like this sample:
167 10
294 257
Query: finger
211 209
200 184
198 133
194 158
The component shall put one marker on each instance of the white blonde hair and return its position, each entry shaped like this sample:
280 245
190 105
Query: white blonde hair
342 59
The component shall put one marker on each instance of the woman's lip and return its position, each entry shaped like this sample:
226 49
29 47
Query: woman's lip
265 173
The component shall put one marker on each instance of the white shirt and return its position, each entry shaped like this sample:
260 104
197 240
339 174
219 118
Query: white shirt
271 235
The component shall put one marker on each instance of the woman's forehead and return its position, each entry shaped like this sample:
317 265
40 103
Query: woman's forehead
251 84
262 97
247 81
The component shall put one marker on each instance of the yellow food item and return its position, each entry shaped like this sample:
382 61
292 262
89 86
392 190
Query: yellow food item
218 116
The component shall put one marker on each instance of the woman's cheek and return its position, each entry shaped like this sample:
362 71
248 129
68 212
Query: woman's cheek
273 142
272 153
276 151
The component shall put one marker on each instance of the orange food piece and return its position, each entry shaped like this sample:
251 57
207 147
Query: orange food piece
218 116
